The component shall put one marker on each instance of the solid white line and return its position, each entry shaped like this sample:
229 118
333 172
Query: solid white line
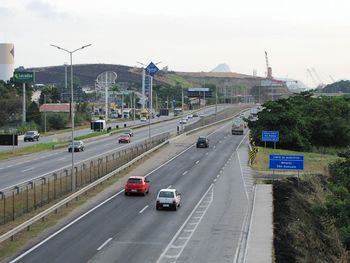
143 209
99 205
65 227
250 224
105 243
183 225
31 168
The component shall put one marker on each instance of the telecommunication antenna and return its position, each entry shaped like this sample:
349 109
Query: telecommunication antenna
105 81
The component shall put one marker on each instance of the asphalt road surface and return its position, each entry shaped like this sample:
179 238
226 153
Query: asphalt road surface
25 168
206 228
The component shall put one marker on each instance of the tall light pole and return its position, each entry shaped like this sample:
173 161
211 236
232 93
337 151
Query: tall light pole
73 183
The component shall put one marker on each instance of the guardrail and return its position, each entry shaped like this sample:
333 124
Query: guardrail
28 223
23 198
114 171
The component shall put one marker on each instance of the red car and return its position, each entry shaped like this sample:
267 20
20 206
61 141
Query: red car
136 185
125 138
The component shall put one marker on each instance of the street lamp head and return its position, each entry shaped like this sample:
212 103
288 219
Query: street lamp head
86 46
55 46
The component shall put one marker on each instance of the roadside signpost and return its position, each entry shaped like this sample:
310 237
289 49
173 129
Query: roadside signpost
270 136
152 69
24 77
286 162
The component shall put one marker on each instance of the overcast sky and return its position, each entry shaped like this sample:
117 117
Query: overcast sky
186 35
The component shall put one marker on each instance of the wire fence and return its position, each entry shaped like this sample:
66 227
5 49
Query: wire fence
31 195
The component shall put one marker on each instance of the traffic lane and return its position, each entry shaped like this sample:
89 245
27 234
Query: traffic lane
217 236
44 164
147 236
81 232
29 167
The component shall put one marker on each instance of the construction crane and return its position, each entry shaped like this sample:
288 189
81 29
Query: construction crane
317 76
268 68
312 77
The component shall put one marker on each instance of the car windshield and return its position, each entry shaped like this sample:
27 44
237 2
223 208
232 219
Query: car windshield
168 194
30 133
135 180
76 143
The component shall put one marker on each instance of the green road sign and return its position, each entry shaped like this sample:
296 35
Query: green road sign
24 76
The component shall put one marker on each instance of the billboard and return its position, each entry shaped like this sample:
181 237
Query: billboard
199 92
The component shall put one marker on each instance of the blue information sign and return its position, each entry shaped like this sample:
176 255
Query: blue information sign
286 162
270 136
152 69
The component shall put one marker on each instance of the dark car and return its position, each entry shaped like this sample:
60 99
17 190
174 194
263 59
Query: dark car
202 142
78 146
129 131
30 136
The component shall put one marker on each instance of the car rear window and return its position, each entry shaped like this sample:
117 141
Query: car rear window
135 180
167 194
201 139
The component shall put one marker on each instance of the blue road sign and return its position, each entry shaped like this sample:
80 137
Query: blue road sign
152 69
286 162
270 136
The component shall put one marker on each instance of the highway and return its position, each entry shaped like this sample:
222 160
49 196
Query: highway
206 228
17 170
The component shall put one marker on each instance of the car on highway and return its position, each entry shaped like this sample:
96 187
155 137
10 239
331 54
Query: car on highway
201 115
195 115
183 121
79 146
124 138
189 116
129 131
143 119
136 185
202 142
168 198
31 136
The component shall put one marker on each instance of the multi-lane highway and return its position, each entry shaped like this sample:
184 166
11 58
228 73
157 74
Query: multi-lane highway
17 170
206 228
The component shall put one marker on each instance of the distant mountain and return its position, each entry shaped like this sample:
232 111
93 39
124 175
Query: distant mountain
221 68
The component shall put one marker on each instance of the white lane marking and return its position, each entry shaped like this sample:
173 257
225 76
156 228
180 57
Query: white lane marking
182 228
26 170
185 172
61 159
143 209
214 181
168 187
206 153
105 243
214 146
197 162
102 203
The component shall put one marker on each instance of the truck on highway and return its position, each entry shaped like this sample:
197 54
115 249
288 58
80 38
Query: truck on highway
237 126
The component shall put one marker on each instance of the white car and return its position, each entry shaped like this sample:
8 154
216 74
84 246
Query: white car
168 198
189 116
183 121
143 119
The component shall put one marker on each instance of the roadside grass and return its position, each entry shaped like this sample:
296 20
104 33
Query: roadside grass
50 146
31 149
9 248
313 162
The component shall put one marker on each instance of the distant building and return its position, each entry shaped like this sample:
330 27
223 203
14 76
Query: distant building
55 107
7 61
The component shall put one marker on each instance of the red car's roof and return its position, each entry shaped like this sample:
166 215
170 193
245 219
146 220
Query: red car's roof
125 135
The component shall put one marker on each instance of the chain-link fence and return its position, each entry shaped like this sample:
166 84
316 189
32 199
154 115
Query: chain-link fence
34 194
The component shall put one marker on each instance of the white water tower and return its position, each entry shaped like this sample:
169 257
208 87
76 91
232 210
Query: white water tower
7 61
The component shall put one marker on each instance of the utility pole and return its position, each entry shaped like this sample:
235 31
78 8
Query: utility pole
134 104
24 103
45 114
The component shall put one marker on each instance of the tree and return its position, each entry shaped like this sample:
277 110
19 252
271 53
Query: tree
33 114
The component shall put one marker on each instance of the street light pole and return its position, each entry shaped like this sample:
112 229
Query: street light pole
73 182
